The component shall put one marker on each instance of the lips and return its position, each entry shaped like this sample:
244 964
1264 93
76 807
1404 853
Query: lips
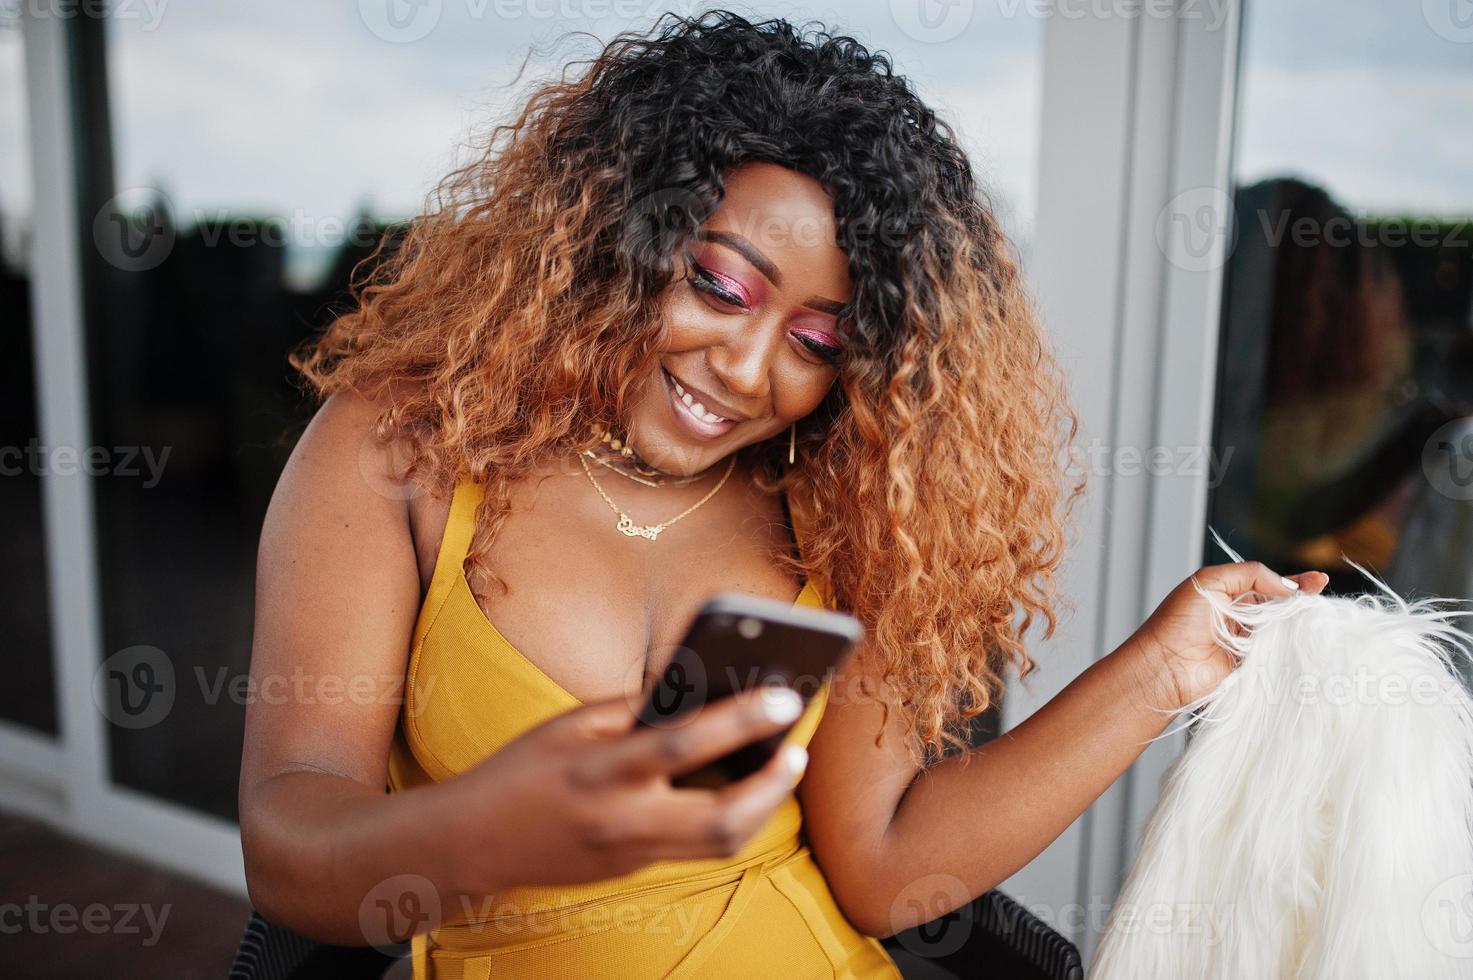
697 427
710 404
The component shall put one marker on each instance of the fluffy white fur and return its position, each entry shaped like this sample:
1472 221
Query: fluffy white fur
1319 825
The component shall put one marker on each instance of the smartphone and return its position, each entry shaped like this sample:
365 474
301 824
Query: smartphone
735 642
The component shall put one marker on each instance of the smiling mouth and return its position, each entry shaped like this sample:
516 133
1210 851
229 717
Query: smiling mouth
692 413
693 405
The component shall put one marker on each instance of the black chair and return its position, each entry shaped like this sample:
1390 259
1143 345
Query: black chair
271 952
992 937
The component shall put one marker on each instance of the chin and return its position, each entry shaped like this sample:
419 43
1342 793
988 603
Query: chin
673 444
669 454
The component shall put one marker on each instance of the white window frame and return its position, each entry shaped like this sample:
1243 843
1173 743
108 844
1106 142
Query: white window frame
66 781
1137 124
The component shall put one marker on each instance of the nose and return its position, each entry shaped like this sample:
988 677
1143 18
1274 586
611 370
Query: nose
743 362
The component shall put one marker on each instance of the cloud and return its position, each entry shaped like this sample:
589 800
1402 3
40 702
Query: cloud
1388 139
996 115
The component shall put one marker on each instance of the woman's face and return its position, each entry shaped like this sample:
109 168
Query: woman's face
752 323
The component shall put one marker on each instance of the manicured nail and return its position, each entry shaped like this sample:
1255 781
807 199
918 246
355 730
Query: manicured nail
1289 582
795 757
782 704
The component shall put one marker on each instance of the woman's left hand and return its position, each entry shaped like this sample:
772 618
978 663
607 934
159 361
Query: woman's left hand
1182 658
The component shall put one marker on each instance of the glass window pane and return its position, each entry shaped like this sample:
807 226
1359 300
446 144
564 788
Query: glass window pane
1346 389
28 696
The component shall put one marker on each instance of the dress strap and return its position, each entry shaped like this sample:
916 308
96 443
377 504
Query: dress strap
692 964
419 954
800 532
455 542
460 527
800 539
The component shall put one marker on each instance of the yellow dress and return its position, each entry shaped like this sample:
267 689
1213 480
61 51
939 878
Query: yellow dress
765 912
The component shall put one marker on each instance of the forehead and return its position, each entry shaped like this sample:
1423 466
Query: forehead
789 217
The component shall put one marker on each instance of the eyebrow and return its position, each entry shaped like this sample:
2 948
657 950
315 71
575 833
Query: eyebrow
765 266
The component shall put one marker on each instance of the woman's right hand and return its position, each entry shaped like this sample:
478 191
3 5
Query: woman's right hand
587 795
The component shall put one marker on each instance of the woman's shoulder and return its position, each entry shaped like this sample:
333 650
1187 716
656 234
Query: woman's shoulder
383 463
341 465
346 426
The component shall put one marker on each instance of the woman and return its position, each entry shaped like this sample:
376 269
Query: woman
726 312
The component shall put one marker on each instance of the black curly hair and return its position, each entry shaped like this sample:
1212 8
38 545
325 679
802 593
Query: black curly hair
700 95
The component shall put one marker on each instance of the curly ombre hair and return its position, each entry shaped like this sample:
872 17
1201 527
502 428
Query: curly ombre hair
525 305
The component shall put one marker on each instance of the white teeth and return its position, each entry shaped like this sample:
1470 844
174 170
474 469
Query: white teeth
696 408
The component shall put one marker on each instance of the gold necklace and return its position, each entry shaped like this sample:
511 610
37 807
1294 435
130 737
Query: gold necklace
623 448
643 472
626 524
639 479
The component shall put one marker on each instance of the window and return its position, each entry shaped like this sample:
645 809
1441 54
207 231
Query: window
28 696
1345 393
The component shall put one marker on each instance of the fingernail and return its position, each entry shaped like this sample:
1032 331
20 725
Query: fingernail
1289 582
782 704
795 757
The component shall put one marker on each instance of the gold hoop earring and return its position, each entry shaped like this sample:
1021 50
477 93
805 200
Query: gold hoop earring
792 441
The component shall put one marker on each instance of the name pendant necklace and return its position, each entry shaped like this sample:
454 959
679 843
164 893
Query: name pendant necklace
626 524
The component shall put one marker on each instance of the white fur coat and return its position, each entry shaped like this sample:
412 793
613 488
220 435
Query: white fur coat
1319 825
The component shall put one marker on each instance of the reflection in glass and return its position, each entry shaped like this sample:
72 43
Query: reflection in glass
1345 393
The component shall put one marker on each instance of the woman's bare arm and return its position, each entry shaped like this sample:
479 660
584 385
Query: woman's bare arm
880 828
337 596
899 847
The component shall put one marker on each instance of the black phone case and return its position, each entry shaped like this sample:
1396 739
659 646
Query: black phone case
735 642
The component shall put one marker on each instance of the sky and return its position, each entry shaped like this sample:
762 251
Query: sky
1364 97
315 111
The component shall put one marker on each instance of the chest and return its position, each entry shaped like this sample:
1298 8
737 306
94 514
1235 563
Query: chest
597 611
